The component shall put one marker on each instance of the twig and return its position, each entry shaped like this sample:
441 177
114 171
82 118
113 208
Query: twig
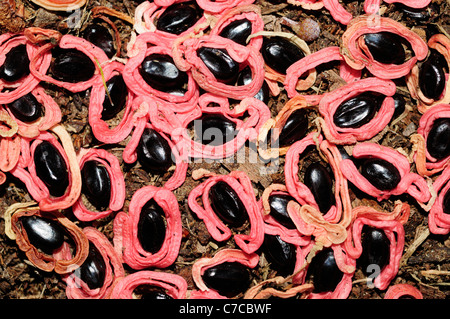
421 235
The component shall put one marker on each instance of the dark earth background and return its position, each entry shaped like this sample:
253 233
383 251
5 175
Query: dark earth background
428 267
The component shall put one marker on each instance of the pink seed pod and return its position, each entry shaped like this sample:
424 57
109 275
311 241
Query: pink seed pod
340 211
349 135
425 163
242 186
147 14
11 91
112 165
147 44
76 287
51 117
394 232
46 261
174 285
130 153
25 169
10 144
345 264
95 54
440 43
357 55
176 125
186 59
101 128
409 182
126 240
403 291
250 12
438 217
224 255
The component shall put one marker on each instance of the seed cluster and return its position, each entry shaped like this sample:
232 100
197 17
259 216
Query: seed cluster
196 83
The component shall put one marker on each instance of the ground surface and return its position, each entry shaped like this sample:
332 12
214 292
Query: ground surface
19 279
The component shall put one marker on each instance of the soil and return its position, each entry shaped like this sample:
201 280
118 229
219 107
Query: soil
427 268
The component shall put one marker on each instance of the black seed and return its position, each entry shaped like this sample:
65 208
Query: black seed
438 139
280 53
245 77
43 233
26 108
71 65
155 294
380 173
227 204
160 72
219 62
385 47
278 209
16 64
376 250
214 129
399 105
178 18
238 31
294 128
358 110
154 152
51 168
432 76
228 278
319 181
118 93
96 184
93 270
325 272
151 227
100 36
280 254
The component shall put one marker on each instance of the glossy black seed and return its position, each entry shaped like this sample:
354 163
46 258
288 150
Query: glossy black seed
160 72
118 93
93 270
399 105
294 128
51 168
376 250
380 173
319 181
43 233
154 152
238 31
438 139
26 108
324 271
155 295
228 278
96 184
432 76
178 18
245 77
280 254
214 129
100 36
446 203
280 53
71 65
278 209
16 64
227 204
385 47
151 227
219 62
358 110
